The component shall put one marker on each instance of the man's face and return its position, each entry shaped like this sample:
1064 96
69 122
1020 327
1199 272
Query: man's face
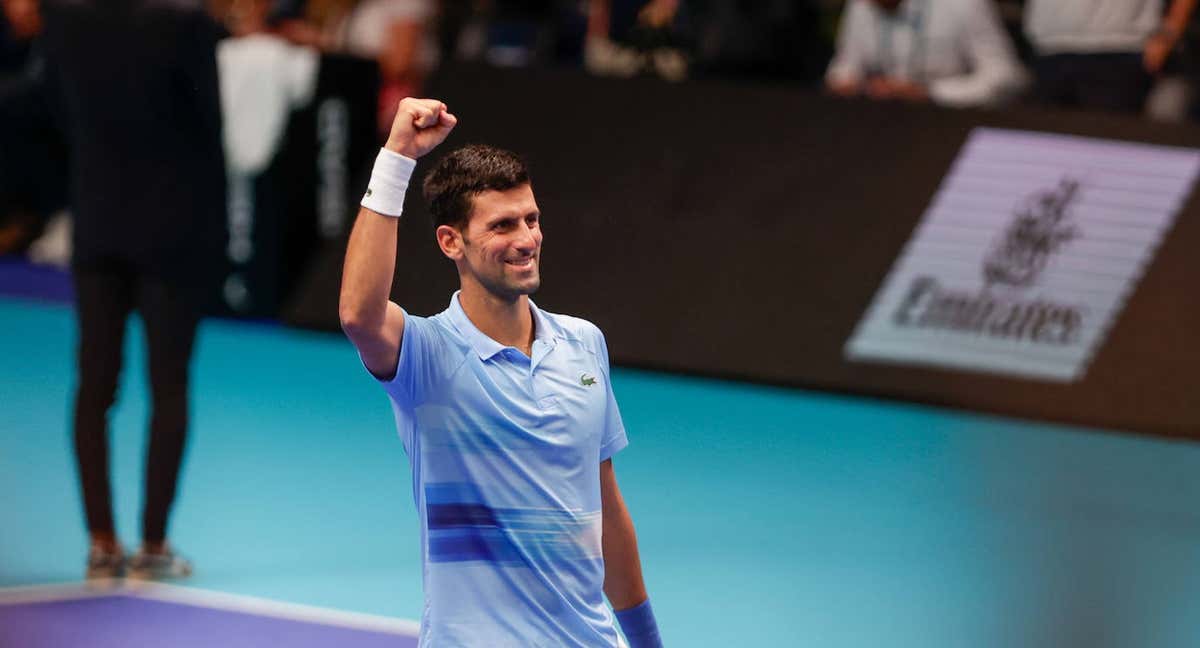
502 243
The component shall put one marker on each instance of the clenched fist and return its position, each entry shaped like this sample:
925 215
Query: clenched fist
420 125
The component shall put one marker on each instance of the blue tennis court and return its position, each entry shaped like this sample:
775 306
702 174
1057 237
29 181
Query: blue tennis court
766 516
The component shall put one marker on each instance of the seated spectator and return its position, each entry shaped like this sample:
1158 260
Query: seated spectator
951 52
513 33
768 39
517 33
1101 54
629 37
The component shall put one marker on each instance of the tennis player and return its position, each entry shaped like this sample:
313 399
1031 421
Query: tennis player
506 411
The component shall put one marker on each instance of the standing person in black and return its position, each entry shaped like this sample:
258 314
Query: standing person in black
135 87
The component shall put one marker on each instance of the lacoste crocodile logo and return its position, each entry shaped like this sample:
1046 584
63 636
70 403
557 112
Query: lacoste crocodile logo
587 380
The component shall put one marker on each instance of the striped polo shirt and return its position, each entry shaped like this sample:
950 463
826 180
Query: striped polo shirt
505 452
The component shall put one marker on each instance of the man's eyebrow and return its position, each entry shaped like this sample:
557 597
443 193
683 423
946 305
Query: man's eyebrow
513 216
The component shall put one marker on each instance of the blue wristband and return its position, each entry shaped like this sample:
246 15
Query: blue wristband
639 626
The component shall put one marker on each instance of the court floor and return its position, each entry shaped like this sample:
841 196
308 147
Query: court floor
766 517
129 614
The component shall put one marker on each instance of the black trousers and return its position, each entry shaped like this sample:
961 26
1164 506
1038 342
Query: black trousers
106 295
1113 82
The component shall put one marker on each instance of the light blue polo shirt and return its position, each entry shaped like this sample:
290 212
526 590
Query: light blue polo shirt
505 452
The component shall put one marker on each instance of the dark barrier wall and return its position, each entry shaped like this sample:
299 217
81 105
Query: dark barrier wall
742 231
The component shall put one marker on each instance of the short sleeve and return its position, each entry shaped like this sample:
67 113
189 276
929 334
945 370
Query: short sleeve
424 356
613 439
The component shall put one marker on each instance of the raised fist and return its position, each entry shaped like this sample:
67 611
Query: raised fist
420 125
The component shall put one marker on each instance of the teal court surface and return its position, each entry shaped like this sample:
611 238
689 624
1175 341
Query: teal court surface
766 517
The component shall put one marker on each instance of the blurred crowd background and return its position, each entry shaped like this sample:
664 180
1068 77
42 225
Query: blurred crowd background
1131 56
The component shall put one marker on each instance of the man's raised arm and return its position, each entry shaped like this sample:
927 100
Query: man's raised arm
373 323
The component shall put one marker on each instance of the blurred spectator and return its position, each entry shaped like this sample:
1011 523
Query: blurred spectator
1101 54
517 31
952 52
768 39
513 33
398 34
263 78
629 37
134 84
19 25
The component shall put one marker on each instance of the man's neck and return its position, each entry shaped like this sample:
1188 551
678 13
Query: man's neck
508 322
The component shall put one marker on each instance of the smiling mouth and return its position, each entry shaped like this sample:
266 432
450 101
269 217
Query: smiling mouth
527 262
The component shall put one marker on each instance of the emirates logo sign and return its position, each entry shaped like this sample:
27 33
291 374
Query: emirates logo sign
1026 256
1039 229
999 308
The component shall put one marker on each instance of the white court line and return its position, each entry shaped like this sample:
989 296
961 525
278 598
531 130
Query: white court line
209 599
58 591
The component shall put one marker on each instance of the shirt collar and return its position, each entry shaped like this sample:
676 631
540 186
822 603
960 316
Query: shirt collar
486 347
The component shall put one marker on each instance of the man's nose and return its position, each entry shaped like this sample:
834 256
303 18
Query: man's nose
527 238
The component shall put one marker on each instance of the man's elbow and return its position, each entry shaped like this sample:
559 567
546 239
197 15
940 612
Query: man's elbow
353 317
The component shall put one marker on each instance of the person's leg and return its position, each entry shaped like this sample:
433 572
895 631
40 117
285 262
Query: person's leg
1116 83
171 317
103 300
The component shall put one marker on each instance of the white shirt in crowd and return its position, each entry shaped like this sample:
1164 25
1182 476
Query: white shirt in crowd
1091 26
958 49
262 79
365 30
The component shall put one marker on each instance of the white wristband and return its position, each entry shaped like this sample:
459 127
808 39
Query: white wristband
389 182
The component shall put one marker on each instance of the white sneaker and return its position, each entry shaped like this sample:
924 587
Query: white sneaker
158 566
102 563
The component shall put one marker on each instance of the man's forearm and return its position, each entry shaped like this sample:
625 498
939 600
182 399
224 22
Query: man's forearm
623 583
371 252
368 270
1177 16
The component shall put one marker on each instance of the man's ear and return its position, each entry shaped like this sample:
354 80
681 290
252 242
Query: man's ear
450 240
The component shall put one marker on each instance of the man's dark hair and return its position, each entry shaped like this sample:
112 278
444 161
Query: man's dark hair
466 173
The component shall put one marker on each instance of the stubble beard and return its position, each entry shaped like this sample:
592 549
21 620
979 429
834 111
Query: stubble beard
502 286
508 288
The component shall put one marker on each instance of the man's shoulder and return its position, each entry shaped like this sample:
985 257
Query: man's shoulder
440 326
569 327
